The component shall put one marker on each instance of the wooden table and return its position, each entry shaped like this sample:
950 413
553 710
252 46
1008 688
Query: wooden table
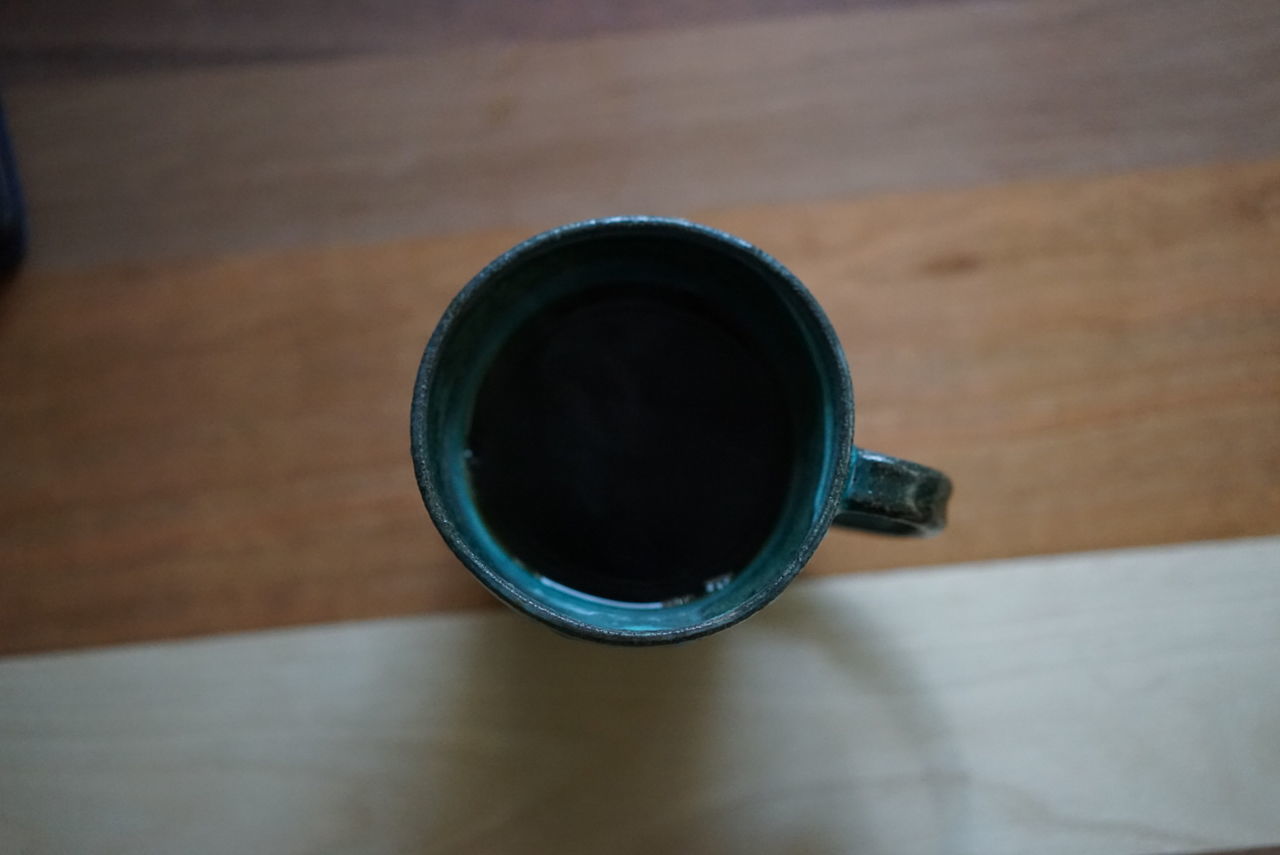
1047 232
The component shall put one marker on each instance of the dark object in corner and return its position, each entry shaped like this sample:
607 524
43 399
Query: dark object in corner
13 226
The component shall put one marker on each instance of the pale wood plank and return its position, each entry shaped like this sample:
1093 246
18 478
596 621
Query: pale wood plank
1111 702
204 447
213 161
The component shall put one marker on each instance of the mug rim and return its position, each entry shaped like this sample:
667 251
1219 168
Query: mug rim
502 586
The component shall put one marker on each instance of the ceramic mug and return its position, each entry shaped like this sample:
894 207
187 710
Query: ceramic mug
638 429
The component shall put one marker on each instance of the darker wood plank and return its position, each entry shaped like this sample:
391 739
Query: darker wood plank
63 39
212 162
196 447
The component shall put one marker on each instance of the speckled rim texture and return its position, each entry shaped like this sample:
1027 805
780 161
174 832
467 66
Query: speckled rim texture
839 429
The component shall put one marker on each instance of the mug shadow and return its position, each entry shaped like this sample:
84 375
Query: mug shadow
800 731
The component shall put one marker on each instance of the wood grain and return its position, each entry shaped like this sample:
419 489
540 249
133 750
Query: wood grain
207 446
1088 704
217 161
55 39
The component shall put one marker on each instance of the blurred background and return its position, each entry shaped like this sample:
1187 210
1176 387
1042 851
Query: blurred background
1046 231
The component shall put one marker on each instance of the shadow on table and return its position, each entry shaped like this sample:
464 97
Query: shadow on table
799 731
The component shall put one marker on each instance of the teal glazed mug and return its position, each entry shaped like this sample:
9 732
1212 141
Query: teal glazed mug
637 430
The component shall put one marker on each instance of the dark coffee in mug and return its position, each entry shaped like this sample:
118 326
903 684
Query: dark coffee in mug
637 430
607 426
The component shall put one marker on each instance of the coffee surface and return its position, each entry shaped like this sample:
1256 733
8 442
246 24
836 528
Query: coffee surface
630 443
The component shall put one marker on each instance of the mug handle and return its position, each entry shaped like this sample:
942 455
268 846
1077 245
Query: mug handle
893 496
